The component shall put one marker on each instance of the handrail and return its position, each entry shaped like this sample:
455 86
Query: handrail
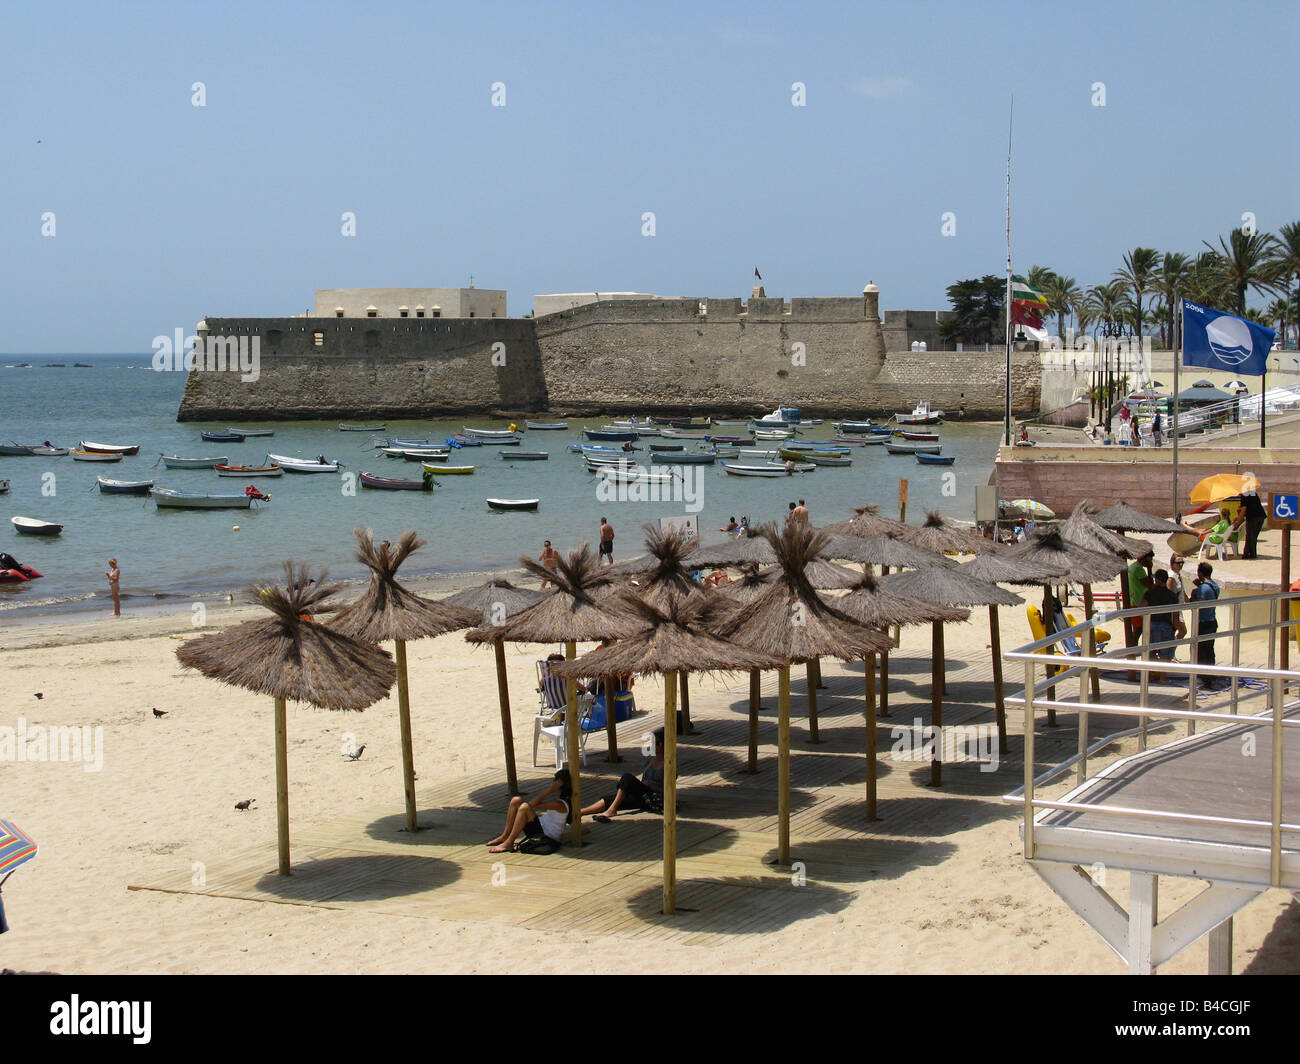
1040 653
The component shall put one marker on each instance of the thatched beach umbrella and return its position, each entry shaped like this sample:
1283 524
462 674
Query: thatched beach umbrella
1080 565
865 523
748 549
873 607
938 535
947 587
387 611
1080 528
752 583
1124 518
996 568
292 658
569 613
671 641
495 601
792 622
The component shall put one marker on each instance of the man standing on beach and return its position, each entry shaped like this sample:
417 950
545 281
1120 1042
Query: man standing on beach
1254 515
114 578
549 557
1208 624
606 541
800 513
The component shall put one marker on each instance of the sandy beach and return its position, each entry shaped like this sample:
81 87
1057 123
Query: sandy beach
165 794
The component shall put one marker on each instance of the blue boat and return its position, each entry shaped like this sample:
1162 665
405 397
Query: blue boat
610 435
935 459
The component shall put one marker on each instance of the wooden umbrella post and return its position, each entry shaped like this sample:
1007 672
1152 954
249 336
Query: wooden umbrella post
813 736
572 729
1049 626
816 666
282 786
754 700
936 703
404 718
884 683
670 794
611 728
870 692
507 732
1092 643
999 691
783 767
687 727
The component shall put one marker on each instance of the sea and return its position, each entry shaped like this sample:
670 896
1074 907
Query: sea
182 556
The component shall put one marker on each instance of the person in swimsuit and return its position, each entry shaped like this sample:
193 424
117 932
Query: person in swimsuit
632 793
606 541
545 814
114 578
549 557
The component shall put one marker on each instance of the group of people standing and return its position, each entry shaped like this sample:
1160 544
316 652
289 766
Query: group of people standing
1168 587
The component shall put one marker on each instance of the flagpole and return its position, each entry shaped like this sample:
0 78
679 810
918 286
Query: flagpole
1007 415
1178 359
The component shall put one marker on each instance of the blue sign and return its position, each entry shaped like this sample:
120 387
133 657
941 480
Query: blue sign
1286 507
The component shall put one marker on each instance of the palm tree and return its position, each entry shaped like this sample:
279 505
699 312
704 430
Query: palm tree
1110 308
1168 284
1207 280
1061 293
1286 261
1247 262
1279 311
1137 274
1039 277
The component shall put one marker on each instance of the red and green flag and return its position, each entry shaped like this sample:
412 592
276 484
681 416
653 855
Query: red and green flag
1022 293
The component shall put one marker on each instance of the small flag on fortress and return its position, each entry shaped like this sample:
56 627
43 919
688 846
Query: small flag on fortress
1216 340
1027 316
757 274
1022 293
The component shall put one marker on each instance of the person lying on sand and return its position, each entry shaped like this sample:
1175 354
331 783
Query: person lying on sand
540 815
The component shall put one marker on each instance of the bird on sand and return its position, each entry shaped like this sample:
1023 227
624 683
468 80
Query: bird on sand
160 713
246 805
354 755
40 694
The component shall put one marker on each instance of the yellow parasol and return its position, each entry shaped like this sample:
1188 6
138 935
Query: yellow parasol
1222 486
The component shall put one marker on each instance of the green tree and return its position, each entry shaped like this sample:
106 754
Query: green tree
1278 313
1286 263
979 314
1169 284
1207 280
1039 277
1062 295
1246 261
1137 275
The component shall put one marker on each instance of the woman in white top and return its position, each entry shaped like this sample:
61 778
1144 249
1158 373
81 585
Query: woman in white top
546 814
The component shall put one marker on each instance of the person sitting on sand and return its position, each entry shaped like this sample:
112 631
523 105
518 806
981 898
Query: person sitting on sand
731 526
632 793
544 814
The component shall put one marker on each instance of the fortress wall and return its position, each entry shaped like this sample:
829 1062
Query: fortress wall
372 367
949 378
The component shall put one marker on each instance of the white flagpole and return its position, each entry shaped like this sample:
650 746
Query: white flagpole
1178 361
1007 416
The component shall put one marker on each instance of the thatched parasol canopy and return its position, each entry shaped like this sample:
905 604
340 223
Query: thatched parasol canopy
751 548
497 599
642 563
865 523
569 612
889 551
1124 518
938 535
948 587
873 606
999 569
388 610
1083 530
1081 565
667 581
291 657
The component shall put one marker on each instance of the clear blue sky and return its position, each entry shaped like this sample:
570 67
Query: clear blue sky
165 212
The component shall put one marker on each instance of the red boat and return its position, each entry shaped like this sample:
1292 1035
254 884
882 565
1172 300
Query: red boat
923 437
12 571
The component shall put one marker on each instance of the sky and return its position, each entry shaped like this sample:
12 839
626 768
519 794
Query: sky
126 211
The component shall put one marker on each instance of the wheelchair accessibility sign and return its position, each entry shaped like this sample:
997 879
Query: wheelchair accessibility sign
1283 510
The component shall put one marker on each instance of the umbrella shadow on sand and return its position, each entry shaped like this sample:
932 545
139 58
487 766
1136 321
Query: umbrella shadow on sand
438 827
737 906
920 817
365 877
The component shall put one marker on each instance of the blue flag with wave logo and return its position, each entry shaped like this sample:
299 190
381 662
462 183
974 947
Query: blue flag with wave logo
1214 339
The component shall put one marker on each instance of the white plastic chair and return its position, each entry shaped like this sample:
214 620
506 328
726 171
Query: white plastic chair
553 695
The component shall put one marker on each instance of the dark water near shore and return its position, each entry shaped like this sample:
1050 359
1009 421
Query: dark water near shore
181 555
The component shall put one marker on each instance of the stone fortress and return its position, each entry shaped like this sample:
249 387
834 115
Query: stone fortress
430 352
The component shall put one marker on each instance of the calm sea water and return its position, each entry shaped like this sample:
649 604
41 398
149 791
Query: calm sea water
180 555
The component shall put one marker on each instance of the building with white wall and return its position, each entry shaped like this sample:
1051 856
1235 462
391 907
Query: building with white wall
410 303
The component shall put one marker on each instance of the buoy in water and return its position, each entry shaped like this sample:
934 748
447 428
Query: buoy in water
235 528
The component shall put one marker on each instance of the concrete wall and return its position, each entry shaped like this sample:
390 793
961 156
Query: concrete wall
452 302
555 302
904 326
386 368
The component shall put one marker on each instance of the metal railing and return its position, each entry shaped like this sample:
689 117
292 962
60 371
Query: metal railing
1043 654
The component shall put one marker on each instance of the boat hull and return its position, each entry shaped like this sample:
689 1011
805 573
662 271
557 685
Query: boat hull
94 456
737 470
31 526
172 461
297 465
547 426
167 498
934 459
369 480
913 448
513 504
124 487
108 448
248 471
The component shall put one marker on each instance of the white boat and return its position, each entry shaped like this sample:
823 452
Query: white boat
95 456
123 487
773 434
755 452
253 432
172 461
201 500
489 434
913 448
920 415
303 465
109 448
362 428
736 469
634 475
31 526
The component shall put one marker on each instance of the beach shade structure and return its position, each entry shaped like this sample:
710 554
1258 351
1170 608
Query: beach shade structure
749 549
792 622
495 601
16 847
670 640
872 606
387 611
937 535
1029 508
865 523
643 563
666 582
1220 486
569 613
996 568
1124 518
945 587
1081 566
293 658
740 593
